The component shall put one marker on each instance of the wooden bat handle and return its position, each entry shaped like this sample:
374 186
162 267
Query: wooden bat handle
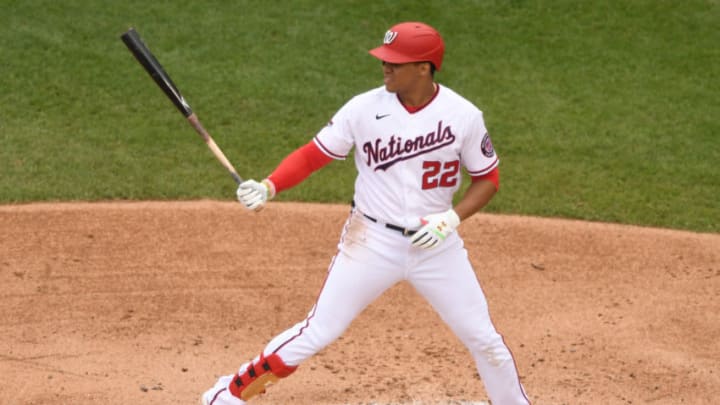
195 122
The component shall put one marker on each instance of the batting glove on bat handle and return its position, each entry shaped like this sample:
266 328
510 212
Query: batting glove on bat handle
436 227
253 195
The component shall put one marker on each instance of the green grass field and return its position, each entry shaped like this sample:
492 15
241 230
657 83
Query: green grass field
605 111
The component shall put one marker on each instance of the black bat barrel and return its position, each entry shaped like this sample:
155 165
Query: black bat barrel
138 48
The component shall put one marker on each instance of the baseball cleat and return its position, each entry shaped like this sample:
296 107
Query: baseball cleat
220 395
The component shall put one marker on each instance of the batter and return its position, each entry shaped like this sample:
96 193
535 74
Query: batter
411 138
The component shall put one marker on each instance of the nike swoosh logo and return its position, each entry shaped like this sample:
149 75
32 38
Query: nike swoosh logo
379 117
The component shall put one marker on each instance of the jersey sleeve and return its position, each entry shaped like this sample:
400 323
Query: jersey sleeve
493 177
478 155
336 138
297 166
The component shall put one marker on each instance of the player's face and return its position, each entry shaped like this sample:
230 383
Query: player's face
401 77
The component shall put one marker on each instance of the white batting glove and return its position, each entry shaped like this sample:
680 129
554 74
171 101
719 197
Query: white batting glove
436 228
254 195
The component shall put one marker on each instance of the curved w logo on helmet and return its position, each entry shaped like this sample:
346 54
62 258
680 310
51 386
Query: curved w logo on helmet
389 37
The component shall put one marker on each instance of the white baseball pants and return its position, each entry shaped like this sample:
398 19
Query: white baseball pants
371 259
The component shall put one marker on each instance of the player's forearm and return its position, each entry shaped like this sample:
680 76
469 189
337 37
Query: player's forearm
297 166
477 196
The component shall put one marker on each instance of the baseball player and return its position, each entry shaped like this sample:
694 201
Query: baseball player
411 137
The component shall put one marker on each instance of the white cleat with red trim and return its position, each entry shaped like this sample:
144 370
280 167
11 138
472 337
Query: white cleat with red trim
220 394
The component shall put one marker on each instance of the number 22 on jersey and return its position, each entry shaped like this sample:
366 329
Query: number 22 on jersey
440 174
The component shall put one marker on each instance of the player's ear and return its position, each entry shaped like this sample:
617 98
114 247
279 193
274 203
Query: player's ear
425 68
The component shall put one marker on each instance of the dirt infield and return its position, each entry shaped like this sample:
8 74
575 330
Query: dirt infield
147 303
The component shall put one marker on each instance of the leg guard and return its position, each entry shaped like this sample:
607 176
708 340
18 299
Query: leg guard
252 379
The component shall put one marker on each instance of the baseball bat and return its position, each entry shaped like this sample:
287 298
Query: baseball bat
148 61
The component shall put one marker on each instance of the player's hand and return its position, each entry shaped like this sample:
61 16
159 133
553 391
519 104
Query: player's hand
253 195
436 228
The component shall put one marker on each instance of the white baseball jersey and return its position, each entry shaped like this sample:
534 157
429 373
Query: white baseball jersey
408 163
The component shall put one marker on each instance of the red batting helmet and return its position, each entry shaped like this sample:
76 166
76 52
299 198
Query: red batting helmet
411 42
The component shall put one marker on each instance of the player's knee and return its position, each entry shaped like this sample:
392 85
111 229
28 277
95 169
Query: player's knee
489 347
254 378
495 352
323 332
